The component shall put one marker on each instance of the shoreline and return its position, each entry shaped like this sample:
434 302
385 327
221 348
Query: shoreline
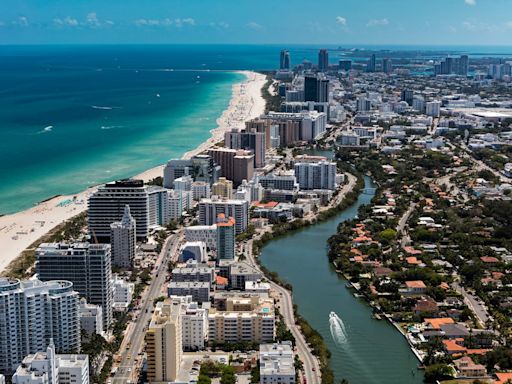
21 229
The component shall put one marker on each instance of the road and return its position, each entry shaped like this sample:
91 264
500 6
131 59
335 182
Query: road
135 332
401 225
286 309
471 301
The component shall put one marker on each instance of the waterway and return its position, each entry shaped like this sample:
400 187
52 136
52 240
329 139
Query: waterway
364 350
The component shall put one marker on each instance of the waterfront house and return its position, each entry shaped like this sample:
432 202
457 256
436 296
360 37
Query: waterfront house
426 306
466 367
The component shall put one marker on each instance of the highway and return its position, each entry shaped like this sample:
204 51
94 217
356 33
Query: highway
134 338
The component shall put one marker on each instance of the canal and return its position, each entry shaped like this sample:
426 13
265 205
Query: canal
364 350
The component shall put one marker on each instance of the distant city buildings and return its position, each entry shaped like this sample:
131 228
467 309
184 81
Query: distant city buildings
323 60
452 66
285 61
33 314
87 266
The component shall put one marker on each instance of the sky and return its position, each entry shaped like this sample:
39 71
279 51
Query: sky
341 22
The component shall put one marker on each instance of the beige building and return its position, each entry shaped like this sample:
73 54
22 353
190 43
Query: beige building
164 343
246 318
223 188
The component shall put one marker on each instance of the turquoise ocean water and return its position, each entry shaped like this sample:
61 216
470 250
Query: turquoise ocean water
76 116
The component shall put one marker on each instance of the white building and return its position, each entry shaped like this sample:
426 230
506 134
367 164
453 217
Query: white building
123 239
320 175
51 368
123 293
277 363
194 323
87 266
201 190
204 233
193 251
283 181
433 108
209 210
32 313
91 318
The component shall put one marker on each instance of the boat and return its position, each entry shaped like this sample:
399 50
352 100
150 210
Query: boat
332 315
376 316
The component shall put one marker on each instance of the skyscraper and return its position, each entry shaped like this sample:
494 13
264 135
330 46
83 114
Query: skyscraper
372 64
387 65
320 175
123 238
464 65
249 140
87 266
323 60
108 203
407 96
345 65
32 314
316 89
285 62
225 237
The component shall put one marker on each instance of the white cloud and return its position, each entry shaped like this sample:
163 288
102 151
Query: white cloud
254 25
508 24
92 19
378 23
341 20
72 22
469 25
470 2
220 24
167 22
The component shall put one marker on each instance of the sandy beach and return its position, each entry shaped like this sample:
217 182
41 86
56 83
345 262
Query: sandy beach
19 230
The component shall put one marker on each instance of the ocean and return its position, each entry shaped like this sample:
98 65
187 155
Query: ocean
76 116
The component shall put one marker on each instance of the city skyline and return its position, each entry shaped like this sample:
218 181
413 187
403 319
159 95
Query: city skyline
453 22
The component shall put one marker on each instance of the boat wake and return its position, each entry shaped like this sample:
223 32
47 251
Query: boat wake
107 127
337 328
107 108
46 129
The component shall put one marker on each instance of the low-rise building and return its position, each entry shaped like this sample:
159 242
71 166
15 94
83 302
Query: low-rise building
91 318
277 363
123 294
199 290
51 368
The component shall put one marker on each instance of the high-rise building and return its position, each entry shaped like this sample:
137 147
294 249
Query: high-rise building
123 239
418 104
261 126
363 104
51 368
293 127
108 203
345 65
283 181
209 210
205 233
249 140
194 323
164 342
323 60
200 167
372 64
433 108
225 237
316 89
236 165
407 96
223 188
452 66
387 65
285 62
32 314
87 266
320 175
